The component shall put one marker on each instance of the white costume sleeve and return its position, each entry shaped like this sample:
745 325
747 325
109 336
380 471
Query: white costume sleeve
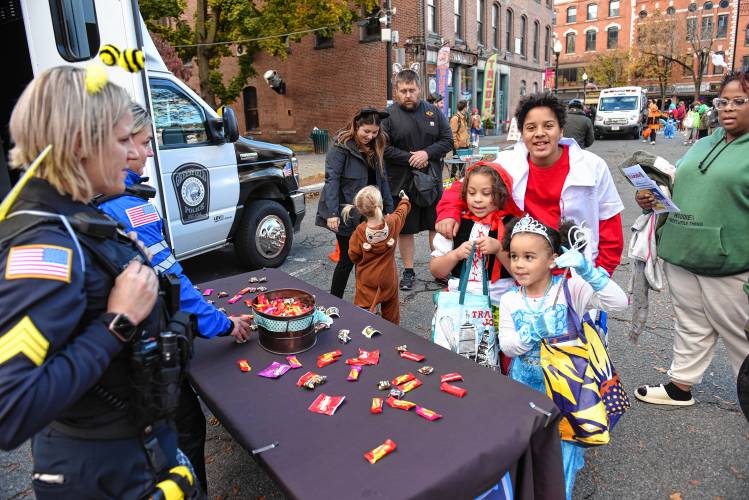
509 339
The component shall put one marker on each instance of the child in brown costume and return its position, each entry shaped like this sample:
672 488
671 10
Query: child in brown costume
372 250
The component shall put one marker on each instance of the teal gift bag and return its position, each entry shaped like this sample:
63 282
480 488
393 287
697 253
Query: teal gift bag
464 323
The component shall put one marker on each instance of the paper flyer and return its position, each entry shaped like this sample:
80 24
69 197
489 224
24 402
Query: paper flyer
640 180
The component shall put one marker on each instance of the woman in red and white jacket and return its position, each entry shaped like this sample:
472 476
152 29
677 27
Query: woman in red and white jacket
553 178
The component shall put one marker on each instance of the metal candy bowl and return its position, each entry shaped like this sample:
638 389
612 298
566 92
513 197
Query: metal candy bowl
282 334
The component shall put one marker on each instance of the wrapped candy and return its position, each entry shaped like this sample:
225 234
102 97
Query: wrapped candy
451 377
234 299
221 295
377 405
384 385
427 414
328 358
399 404
385 448
401 348
344 337
327 405
426 370
275 370
369 331
310 380
356 362
244 365
333 312
369 357
210 301
207 292
282 307
456 391
353 374
293 362
413 357
396 393
402 379
410 385
244 291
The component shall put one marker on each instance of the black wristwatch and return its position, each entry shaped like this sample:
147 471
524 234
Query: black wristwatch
120 326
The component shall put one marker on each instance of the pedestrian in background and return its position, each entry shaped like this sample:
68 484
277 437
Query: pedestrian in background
654 116
475 127
579 126
76 299
702 129
459 127
355 160
420 138
692 124
706 249
680 114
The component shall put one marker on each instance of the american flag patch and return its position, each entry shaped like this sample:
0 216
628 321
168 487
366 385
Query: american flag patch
288 169
143 214
39 261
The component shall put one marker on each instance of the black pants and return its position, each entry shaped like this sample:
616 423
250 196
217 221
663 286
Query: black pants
342 269
191 431
652 135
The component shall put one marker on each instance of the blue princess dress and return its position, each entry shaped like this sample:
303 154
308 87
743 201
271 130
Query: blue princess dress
525 321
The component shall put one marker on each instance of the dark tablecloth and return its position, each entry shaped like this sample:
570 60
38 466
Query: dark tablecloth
480 437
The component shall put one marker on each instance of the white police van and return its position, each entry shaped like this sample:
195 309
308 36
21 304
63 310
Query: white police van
213 187
620 112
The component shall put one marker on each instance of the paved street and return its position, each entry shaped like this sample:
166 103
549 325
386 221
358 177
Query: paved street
694 453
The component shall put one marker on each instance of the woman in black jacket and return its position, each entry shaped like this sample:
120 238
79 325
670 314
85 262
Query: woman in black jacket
354 161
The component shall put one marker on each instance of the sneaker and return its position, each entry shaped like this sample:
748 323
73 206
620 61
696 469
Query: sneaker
407 281
657 395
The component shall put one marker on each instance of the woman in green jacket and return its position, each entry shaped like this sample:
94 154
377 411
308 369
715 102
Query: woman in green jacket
706 248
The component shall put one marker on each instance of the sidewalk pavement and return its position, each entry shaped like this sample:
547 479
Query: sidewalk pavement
312 165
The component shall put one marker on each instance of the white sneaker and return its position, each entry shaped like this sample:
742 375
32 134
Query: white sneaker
652 142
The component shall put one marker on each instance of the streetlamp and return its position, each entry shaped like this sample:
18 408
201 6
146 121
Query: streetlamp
585 85
557 50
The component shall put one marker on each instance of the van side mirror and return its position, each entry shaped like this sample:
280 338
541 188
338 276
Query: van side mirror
231 127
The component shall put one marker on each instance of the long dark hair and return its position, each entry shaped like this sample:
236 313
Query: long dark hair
376 148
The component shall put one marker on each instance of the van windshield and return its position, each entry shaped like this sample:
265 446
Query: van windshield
625 103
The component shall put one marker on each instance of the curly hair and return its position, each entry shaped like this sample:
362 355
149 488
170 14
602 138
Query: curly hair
559 237
499 189
540 100
740 76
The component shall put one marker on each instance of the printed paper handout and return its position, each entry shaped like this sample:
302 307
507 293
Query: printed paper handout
640 180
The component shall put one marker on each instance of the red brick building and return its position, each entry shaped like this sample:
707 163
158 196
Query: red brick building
328 79
741 58
586 28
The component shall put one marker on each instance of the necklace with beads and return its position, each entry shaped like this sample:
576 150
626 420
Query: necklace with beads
536 311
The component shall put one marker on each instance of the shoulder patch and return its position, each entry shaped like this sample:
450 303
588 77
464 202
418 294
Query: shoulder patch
49 262
142 214
24 338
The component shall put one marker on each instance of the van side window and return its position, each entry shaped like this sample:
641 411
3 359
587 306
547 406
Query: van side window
177 118
76 29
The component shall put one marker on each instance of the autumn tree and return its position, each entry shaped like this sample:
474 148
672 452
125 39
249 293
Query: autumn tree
609 69
657 50
170 58
219 27
670 41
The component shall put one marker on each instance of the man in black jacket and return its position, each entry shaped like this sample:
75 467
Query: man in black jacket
578 126
419 138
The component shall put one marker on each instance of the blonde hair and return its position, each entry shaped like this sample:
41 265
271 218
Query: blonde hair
55 108
141 118
368 202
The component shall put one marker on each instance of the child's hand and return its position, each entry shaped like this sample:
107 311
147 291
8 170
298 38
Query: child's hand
463 251
488 245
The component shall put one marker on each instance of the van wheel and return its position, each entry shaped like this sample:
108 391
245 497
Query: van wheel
265 234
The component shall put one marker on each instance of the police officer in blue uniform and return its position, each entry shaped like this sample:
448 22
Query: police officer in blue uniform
134 210
91 355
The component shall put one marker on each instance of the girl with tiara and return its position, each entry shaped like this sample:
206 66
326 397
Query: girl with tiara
532 310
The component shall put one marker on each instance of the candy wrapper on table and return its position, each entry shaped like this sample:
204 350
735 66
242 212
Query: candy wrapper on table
451 377
377 405
275 370
412 356
328 358
410 385
427 414
384 449
402 379
353 374
399 404
293 362
310 380
456 391
327 405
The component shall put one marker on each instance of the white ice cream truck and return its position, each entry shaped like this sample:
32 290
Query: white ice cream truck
213 187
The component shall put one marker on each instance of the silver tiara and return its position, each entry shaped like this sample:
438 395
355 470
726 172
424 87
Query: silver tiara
530 225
